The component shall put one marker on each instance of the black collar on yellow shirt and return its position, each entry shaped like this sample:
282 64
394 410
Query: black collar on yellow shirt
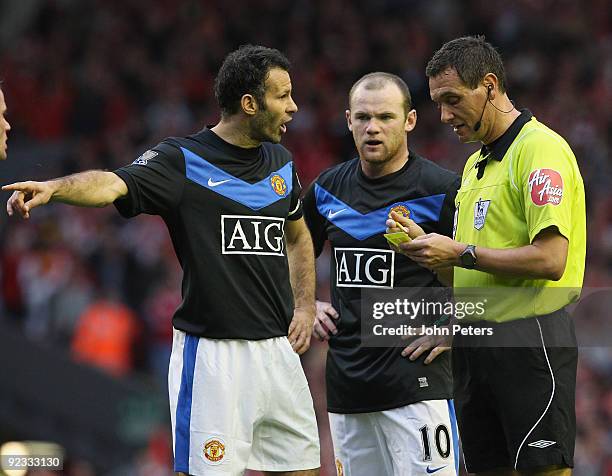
498 148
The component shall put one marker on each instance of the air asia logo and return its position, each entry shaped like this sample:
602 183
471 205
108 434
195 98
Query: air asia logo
364 268
214 451
545 186
144 158
252 235
279 185
400 210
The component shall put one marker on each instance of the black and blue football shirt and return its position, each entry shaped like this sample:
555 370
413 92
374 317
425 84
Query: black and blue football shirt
225 208
348 209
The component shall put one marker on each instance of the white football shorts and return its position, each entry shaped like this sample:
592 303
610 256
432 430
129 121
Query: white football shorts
238 404
416 439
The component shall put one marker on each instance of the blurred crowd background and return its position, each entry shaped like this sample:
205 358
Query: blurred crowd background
94 83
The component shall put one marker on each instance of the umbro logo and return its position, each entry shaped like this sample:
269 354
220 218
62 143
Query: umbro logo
541 444
332 214
212 183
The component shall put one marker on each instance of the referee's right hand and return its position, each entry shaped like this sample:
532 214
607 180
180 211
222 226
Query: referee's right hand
324 321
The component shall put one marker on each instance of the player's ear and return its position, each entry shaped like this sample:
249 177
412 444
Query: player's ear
249 104
411 120
348 120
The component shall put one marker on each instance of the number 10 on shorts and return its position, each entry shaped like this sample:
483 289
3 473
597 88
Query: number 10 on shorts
441 439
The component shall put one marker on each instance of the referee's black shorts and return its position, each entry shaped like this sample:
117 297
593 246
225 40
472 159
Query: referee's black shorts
515 394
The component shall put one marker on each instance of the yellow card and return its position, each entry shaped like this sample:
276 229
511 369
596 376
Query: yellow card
397 238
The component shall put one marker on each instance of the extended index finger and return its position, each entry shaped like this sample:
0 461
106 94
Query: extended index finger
17 186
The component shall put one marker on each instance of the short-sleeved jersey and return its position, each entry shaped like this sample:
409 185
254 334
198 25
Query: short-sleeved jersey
225 208
350 210
530 182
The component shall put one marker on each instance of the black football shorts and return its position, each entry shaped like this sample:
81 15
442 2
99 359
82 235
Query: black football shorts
515 394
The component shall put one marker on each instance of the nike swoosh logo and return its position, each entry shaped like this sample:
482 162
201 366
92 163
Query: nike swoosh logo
331 214
212 183
430 471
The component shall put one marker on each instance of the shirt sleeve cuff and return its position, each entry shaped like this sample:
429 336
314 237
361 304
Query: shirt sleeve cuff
564 230
296 213
126 205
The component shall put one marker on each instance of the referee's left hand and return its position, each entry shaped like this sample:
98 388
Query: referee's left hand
300 329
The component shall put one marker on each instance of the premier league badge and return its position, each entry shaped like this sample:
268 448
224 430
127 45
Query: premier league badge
480 213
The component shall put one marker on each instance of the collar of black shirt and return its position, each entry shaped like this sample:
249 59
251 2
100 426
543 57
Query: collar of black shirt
498 148
385 179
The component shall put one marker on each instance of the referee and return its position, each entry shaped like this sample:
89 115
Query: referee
389 408
520 228
229 196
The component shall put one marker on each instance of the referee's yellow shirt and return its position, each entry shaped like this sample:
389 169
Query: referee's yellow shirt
531 181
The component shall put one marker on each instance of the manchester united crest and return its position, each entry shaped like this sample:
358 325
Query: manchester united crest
400 210
278 185
214 451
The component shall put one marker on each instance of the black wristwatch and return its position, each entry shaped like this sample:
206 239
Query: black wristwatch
468 257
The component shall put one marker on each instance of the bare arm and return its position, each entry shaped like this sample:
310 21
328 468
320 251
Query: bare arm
94 188
302 272
544 258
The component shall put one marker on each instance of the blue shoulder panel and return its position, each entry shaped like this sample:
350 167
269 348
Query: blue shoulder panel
362 226
274 187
